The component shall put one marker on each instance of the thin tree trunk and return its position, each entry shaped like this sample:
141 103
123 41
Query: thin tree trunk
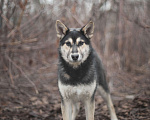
120 42
1 12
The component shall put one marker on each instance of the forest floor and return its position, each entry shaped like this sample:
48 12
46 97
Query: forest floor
130 95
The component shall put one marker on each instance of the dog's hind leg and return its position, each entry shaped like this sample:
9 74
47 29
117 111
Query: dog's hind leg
75 110
106 96
66 109
89 109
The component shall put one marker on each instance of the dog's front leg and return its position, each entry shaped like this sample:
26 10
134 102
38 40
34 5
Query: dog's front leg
66 109
89 109
75 110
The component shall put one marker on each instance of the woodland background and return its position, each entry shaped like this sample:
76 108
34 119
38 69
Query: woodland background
28 55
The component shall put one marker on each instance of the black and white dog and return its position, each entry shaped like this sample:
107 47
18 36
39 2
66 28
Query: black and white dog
80 72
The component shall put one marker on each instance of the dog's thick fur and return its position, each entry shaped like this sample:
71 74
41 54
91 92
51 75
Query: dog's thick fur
80 72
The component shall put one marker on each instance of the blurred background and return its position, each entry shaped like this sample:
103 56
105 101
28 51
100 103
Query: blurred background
28 55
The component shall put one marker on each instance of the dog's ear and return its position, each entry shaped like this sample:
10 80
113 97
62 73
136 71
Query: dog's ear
61 29
88 29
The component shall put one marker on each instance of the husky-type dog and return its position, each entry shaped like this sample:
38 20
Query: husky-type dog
80 72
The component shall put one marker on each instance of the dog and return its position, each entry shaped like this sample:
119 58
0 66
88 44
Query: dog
80 72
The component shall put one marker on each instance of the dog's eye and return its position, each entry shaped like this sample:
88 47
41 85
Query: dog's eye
80 43
68 43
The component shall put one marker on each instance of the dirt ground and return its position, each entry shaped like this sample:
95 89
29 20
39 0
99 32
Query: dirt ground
130 94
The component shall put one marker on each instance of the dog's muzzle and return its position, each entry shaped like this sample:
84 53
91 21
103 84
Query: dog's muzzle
75 56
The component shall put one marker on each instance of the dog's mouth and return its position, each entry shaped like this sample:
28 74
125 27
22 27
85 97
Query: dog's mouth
75 61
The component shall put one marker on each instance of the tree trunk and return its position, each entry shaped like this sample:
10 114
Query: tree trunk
1 12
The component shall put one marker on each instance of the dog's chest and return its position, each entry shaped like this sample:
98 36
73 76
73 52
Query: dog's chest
77 93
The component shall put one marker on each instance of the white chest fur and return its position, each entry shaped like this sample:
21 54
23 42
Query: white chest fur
77 93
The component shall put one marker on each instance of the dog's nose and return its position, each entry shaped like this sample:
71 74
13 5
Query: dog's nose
75 57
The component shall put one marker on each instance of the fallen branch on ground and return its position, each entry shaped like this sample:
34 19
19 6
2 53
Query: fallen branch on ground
36 90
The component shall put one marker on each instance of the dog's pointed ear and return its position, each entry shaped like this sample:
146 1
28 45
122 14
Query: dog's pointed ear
61 29
88 29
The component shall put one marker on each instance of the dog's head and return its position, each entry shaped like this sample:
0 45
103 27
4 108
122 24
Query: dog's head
74 44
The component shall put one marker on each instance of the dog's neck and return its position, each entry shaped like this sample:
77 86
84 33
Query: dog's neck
77 74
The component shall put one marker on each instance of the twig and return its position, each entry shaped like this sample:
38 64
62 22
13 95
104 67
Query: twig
33 18
27 48
19 42
36 90
140 24
21 15
12 33
11 77
8 23
17 28
22 26
75 17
